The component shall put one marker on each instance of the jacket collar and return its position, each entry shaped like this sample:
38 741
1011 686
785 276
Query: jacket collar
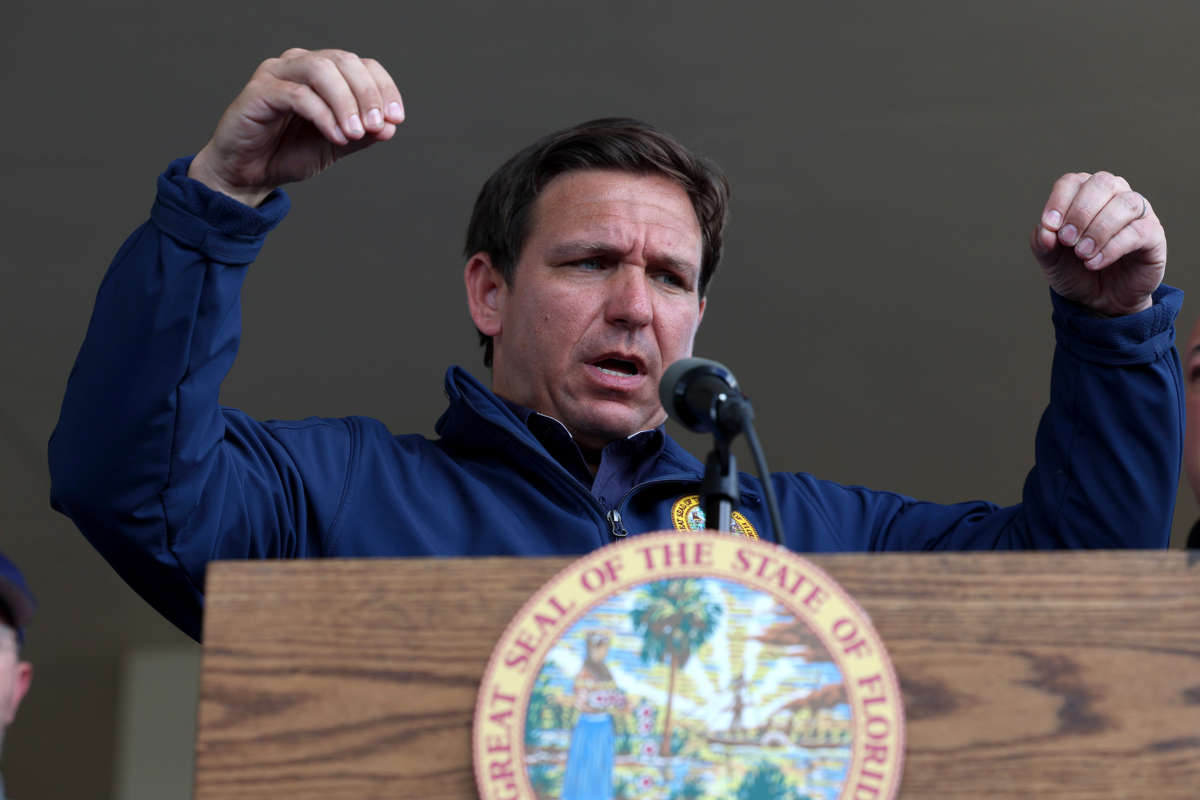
477 418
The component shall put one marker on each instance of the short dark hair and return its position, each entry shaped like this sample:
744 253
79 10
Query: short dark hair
499 222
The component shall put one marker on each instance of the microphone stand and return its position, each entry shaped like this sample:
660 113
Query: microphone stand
719 492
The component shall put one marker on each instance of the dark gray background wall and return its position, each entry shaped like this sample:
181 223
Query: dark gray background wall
888 161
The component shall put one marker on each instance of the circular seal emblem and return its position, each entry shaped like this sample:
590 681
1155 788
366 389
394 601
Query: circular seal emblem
688 515
689 665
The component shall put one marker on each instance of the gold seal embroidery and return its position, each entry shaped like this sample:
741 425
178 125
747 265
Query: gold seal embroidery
687 515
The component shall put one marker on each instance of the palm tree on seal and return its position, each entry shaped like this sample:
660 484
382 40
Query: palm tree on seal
675 617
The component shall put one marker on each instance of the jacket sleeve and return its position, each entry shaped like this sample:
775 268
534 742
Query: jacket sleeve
157 475
1107 454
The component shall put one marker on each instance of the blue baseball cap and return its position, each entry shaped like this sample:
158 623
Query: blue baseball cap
15 596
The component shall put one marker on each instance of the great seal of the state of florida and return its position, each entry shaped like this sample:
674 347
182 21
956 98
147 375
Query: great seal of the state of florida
689 665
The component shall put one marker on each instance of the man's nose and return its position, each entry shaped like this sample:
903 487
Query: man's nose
629 300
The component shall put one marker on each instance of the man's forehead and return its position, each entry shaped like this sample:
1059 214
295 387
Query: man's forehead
602 202
621 215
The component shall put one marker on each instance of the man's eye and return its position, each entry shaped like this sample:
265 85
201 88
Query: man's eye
588 264
671 279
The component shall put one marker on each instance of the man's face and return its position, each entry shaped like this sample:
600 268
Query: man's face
15 676
604 298
1191 441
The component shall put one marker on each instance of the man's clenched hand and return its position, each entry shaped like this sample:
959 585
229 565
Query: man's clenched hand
298 114
1100 243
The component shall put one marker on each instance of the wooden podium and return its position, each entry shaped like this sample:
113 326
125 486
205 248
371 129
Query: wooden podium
1025 675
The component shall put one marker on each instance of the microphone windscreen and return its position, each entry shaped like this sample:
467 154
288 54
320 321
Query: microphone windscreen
689 390
670 379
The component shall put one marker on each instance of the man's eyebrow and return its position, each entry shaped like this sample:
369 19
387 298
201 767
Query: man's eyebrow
564 251
567 251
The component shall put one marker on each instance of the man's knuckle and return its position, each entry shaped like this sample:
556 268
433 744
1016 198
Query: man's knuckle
343 57
297 93
323 67
259 84
1069 180
1100 232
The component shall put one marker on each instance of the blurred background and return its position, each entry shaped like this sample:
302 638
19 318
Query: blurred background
877 299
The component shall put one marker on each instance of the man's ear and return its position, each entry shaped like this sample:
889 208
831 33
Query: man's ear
23 677
486 293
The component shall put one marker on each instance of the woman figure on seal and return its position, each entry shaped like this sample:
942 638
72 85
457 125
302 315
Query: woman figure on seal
589 773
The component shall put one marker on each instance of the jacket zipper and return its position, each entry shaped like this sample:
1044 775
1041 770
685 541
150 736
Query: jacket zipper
614 523
615 526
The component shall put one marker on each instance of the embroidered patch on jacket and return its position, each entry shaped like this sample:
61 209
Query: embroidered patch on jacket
687 515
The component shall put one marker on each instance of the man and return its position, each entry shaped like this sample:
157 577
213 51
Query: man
588 258
1191 444
16 611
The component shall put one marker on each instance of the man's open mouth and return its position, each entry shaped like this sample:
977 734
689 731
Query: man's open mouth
616 366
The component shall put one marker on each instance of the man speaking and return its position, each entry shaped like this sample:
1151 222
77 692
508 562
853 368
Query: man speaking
589 254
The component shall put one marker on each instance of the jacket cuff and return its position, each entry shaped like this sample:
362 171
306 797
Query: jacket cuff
1132 339
211 222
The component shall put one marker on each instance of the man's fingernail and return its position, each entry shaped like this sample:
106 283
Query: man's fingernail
1068 235
374 118
1084 248
1095 261
395 111
1052 219
354 126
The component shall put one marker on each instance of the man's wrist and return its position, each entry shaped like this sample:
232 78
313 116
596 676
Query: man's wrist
201 170
1125 339
195 213
1146 303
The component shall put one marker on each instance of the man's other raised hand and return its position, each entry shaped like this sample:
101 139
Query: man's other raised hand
1100 243
298 114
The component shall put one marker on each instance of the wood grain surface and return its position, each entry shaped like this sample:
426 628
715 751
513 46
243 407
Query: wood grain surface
1062 676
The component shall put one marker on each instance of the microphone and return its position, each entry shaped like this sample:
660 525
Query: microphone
703 396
